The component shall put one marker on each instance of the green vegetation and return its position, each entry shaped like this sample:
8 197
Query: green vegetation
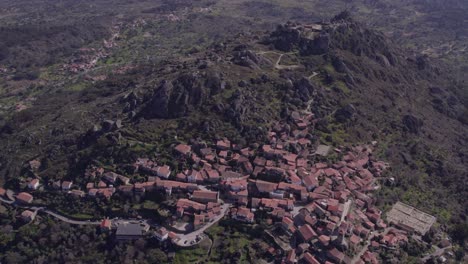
166 40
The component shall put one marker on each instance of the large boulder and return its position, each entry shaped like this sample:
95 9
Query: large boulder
238 108
320 44
304 89
177 98
285 37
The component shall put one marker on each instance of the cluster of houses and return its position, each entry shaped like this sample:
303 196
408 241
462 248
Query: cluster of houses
326 208
87 58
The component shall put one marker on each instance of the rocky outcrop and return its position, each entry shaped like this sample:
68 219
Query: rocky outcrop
341 33
285 37
304 89
131 101
320 44
176 98
244 57
214 82
237 110
292 36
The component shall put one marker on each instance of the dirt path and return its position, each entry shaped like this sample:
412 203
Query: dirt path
278 61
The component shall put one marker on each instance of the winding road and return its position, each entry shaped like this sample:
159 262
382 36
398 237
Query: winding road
186 240
357 257
68 220
278 61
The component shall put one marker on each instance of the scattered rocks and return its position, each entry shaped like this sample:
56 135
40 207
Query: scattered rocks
244 57
309 41
177 98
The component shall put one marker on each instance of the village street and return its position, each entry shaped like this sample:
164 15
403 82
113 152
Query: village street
437 253
190 239
6 201
357 257
184 240
51 213
70 221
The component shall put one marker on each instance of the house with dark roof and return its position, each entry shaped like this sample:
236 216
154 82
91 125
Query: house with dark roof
66 185
129 231
161 234
205 196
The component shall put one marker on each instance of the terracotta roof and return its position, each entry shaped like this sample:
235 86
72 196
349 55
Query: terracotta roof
287 221
213 174
183 149
198 219
205 195
231 174
223 144
164 171
264 186
106 223
354 239
24 197
186 204
291 257
308 258
307 232
335 255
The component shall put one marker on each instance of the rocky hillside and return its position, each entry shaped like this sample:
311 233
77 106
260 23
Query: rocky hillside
360 84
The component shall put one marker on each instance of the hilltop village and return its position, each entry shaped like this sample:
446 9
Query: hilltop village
322 210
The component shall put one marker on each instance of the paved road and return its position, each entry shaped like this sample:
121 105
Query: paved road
346 208
60 217
70 221
296 210
6 201
186 240
364 249
438 252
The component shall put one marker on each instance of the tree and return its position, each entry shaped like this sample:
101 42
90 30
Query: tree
460 232
14 257
155 255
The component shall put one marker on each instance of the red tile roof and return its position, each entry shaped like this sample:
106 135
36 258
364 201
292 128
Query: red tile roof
183 149
307 232
200 195
24 197
308 258
266 187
